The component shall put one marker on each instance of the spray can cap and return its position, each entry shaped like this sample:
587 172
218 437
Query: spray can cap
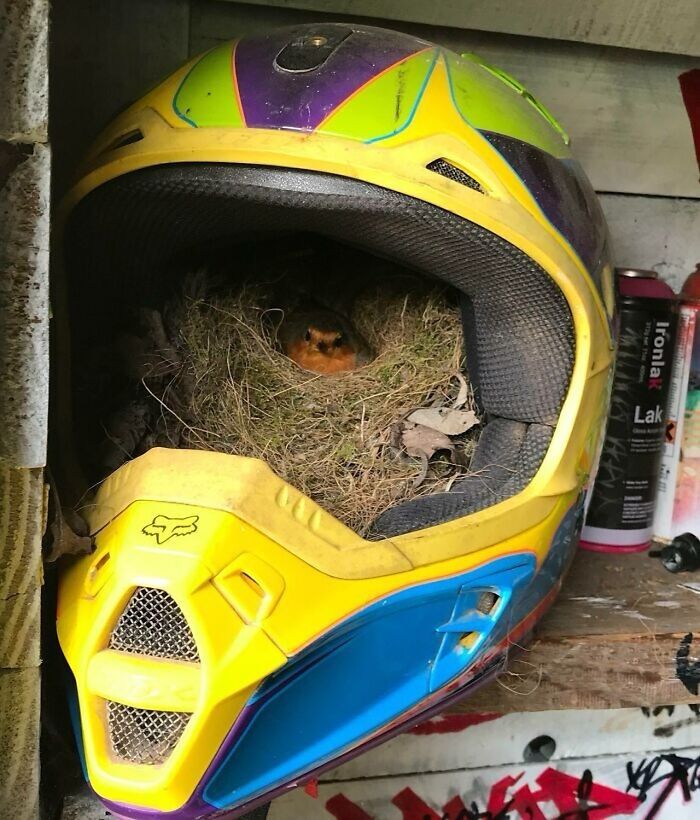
691 287
637 273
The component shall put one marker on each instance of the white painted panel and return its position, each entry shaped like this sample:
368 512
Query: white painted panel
655 232
623 109
577 734
615 792
656 25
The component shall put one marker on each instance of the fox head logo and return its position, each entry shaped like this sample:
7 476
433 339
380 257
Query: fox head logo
163 528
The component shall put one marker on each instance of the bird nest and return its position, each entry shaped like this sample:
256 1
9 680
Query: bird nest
357 442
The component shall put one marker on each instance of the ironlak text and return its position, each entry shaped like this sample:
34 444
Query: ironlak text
625 489
658 355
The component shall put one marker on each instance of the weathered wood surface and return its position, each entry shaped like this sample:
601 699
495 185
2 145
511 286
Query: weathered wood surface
655 25
623 109
655 232
21 524
612 639
19 743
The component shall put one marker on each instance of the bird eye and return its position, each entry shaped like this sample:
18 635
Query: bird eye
338 341
307 336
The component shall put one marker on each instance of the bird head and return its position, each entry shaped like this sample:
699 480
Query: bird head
328 342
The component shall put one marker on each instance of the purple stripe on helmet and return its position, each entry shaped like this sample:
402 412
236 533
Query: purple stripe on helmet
563 192
272 98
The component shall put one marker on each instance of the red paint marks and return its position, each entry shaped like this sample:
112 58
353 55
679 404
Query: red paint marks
311 788
497 795
412 807
571 794
525 802
449 724
690 89
573 797
343 809
454 809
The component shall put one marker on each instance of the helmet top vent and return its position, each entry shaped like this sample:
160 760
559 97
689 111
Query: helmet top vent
447 169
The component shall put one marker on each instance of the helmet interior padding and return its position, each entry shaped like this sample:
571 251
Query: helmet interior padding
124 238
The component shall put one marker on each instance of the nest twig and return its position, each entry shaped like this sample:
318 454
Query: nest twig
332 437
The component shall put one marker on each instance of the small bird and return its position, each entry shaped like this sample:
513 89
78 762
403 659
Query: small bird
323 341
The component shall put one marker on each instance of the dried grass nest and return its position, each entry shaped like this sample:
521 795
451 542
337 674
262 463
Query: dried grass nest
349 441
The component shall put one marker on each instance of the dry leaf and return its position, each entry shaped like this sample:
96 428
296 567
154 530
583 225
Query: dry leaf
420 440
445 420
463 394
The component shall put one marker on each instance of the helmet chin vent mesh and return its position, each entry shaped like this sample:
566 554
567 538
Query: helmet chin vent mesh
153 624
144 736
446 169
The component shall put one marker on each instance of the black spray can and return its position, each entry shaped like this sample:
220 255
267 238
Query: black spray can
620 513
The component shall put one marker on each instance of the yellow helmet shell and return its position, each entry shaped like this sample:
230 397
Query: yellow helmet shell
229 637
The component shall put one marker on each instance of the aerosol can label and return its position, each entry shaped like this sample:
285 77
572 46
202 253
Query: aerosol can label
622 505
678 508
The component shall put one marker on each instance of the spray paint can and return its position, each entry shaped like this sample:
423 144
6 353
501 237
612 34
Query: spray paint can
620 513
678 509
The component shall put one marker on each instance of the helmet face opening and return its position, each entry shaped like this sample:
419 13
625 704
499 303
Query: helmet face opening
229 637
520 340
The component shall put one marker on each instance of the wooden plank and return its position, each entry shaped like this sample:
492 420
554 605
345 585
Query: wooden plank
623 109
654 25
21 524
612 639
19 743
103 56
655 232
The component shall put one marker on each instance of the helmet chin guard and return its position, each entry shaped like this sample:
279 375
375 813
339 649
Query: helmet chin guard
229 638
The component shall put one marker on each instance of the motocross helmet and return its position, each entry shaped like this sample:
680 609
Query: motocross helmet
228 638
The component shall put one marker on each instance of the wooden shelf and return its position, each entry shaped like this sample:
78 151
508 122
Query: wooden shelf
612 639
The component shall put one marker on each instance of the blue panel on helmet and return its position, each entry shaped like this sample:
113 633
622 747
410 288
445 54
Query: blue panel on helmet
74 712
367 672
553 569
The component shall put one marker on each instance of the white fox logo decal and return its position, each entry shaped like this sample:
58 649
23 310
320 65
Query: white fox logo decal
163 528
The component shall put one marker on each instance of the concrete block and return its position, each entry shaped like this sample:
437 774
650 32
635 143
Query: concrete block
24 305
24 90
